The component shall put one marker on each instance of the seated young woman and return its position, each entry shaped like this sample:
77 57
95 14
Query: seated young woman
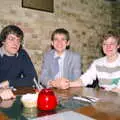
105 69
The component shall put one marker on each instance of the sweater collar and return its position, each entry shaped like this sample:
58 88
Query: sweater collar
3 52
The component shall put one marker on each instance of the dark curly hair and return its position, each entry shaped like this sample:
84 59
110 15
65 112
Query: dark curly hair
11 29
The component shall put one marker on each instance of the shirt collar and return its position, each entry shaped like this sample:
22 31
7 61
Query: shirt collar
3 52
62 56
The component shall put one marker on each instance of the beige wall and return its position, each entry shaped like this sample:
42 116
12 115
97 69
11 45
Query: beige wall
86 20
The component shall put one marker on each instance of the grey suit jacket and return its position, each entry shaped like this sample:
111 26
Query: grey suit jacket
71 71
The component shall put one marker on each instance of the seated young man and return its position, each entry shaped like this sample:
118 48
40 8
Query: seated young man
16 68
60 64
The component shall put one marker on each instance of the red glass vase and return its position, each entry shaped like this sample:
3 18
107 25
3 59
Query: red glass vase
46 100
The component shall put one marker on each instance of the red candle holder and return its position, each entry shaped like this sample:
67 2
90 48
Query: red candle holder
46 100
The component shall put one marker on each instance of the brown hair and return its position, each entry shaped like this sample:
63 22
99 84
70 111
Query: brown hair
113 35
60 31
11 29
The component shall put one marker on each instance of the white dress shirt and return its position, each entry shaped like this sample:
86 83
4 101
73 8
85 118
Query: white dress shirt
61 64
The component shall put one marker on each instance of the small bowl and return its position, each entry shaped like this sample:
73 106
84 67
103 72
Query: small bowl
29 100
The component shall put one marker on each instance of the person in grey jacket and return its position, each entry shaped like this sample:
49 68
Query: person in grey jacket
68 67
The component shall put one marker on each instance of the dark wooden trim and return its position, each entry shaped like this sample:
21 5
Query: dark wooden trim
43 5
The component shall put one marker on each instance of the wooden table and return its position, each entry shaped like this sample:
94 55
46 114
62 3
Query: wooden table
107 108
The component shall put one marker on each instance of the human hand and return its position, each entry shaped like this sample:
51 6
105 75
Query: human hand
61 83
7 103
4 84
6 94
76 83
64 83
116 90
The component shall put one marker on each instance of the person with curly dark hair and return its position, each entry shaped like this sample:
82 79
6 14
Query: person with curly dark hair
16 67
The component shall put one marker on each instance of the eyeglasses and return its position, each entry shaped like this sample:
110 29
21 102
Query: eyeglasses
13 38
